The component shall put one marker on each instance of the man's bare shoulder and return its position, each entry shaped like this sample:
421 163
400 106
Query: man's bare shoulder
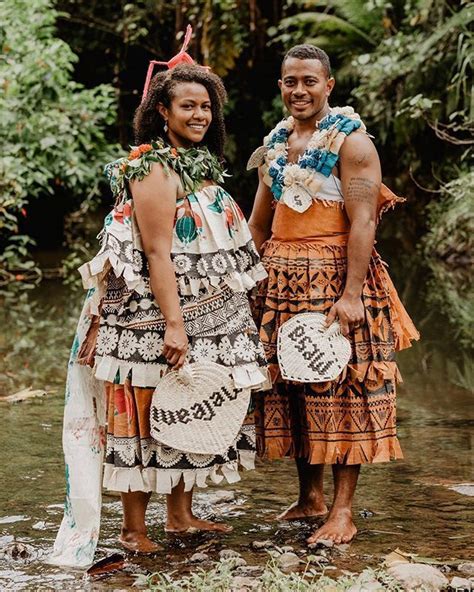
359 150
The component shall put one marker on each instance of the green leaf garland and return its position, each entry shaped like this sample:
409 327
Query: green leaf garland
192 165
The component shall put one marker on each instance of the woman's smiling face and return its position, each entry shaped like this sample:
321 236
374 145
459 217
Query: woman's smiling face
189 115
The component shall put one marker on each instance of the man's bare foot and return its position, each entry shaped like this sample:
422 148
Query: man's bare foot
339 528
192 524
300 511
138 542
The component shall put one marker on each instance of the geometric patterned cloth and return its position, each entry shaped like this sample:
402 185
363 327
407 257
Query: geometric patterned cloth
352 419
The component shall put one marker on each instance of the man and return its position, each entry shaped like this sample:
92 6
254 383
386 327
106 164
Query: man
314 222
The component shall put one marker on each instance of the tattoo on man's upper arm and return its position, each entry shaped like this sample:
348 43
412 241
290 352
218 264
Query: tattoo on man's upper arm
360 159
361 190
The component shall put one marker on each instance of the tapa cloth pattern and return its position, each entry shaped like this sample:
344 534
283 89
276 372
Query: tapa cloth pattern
353 418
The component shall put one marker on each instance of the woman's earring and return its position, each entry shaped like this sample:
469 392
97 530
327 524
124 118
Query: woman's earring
165 127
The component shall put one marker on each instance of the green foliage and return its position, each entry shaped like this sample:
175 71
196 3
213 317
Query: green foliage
448 247
423 69
343 28
52 128
222 30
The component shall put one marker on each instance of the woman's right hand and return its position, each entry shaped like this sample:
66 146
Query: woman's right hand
176 345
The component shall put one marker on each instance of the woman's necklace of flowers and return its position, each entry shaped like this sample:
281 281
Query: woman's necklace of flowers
193 165
295 184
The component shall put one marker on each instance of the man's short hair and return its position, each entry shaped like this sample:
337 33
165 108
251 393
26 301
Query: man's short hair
305 51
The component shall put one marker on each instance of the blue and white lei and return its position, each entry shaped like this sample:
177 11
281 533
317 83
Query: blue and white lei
296 184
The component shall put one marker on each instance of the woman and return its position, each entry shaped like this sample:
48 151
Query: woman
169 287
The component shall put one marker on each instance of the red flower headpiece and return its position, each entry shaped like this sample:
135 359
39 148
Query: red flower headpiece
180 58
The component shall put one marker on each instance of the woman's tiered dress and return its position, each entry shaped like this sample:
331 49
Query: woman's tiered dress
216 263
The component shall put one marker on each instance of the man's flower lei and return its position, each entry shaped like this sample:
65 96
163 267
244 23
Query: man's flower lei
319 158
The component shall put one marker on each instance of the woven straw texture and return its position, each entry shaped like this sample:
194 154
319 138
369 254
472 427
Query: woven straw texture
198 409
308 352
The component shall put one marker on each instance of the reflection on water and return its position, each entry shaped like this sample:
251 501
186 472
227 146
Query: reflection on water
409 504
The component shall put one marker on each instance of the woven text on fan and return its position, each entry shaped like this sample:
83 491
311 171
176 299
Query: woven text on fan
309 350
204 410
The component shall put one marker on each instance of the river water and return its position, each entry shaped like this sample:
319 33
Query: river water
421 505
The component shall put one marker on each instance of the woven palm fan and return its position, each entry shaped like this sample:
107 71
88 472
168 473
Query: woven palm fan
198 409
310 352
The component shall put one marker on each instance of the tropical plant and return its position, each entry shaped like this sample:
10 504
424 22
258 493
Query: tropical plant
343 28
52 128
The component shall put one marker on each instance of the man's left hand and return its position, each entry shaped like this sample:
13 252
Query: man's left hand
349 311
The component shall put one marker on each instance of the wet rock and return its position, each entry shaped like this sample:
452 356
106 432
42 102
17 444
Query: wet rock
257 545
322 559
288 560
461 584
241 584
238 562
467 568
287 549
249 571
16 550
322 543
418 575
366 583
228 554
223 497
12 519
463 488
198 557
365 513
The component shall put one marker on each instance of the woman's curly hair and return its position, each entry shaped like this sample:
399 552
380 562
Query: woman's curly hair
148 123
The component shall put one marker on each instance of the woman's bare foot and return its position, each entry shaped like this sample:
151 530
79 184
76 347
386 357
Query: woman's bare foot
138 542
301 510
190 524
339 528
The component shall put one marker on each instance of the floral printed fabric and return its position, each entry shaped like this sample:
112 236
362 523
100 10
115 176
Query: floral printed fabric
83 443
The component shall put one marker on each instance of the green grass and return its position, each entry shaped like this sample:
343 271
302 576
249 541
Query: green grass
221 579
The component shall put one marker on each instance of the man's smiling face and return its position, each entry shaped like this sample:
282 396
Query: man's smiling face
305 87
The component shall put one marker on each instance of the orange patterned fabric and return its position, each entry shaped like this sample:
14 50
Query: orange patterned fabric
351 420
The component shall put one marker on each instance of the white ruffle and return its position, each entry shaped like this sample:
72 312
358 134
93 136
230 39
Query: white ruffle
94 274
237 281
164 480
149 375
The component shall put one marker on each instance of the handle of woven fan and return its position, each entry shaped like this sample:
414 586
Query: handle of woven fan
334 329
185 375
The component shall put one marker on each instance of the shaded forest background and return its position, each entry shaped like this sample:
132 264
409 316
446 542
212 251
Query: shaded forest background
72 72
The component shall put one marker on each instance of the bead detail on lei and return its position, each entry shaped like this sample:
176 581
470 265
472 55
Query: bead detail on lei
296 184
